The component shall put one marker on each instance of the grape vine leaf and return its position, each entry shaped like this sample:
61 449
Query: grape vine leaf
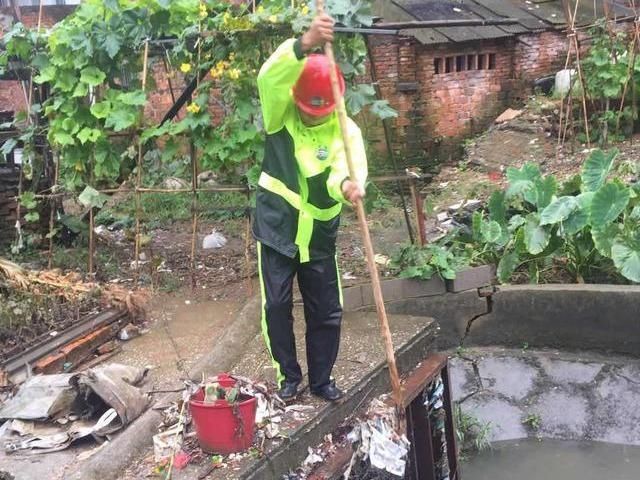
92 76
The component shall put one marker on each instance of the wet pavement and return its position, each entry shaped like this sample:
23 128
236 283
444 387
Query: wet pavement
563 395
361 351
567 460
180 333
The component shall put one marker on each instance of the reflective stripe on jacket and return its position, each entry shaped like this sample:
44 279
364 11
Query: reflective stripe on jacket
299 196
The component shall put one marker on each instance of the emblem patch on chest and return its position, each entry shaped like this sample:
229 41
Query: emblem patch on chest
322 153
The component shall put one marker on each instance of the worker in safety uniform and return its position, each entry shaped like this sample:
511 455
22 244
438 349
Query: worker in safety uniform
303 184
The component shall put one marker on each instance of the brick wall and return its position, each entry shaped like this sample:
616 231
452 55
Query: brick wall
437 110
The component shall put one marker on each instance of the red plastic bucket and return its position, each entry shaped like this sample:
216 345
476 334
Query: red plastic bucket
218 428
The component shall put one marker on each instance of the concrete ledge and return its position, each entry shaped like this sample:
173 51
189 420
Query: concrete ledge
360 296
114 458
597 317
292 453
573 317
471 279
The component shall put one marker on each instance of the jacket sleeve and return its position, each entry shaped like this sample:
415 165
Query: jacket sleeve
340 170
277 77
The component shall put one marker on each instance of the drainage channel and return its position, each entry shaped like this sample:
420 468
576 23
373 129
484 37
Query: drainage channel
533 459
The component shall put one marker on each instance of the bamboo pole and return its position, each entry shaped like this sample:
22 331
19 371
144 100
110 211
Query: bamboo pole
52 205
362 220
145 57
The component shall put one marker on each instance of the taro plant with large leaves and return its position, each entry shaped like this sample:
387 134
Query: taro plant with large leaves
585 224
587 227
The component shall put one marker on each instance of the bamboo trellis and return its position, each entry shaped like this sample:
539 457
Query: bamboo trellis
566 116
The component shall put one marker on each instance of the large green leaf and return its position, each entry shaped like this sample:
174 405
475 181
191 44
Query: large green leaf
383 110
136 98
608 203
558 210
121 119
497 207
604 238
542 192
92 76
46 75
507 265
579 218
8 146
91 198
521 180
515 222
536 237
491 231
596 168
112 44
101 109
88 135
627 260
358 97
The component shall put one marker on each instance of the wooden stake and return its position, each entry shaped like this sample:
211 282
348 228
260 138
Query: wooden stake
145 57
362 220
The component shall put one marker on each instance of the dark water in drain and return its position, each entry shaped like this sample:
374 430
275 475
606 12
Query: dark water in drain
551 459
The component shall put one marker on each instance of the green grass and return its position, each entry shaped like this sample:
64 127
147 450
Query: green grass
160 209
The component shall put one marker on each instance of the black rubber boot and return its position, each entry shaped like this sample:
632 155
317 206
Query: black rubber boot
329 392
288 391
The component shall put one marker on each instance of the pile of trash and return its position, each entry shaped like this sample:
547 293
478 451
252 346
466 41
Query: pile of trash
380 440
50 412
175 445
377 438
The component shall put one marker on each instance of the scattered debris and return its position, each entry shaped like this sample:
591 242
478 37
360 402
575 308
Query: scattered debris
348 276
378 440
508 114
381 259
207 178
174 183
128 332
49 412
468 205
167 442
214 240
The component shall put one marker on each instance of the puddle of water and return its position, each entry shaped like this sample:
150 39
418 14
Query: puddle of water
533 460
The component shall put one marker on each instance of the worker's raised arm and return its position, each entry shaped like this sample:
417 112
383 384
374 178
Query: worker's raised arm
281 71
340 186
276 79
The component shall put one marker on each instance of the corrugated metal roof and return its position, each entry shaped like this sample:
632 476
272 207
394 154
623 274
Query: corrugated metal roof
532 15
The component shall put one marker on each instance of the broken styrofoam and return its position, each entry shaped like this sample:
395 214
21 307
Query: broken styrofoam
167 442
214 240
469 205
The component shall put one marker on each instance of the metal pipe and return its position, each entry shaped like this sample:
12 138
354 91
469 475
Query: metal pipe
465 22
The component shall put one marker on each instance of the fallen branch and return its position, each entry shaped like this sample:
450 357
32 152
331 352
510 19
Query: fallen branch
70 286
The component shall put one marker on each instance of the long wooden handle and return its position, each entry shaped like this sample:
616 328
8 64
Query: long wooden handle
364 227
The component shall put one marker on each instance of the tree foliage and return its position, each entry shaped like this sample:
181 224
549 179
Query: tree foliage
92 64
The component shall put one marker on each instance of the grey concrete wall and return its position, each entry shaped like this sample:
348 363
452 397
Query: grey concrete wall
598 317
570 317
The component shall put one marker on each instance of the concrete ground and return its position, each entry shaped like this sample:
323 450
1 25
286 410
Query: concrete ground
181 331
550 394
361 351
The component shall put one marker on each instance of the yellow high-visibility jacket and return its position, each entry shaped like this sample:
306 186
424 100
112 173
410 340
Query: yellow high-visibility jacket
299 196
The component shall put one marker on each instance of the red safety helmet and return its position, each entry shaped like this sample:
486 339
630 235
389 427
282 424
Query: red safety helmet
312 93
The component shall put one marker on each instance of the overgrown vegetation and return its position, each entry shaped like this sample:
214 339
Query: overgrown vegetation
587 228
472 435
533 421
92 64
611 79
